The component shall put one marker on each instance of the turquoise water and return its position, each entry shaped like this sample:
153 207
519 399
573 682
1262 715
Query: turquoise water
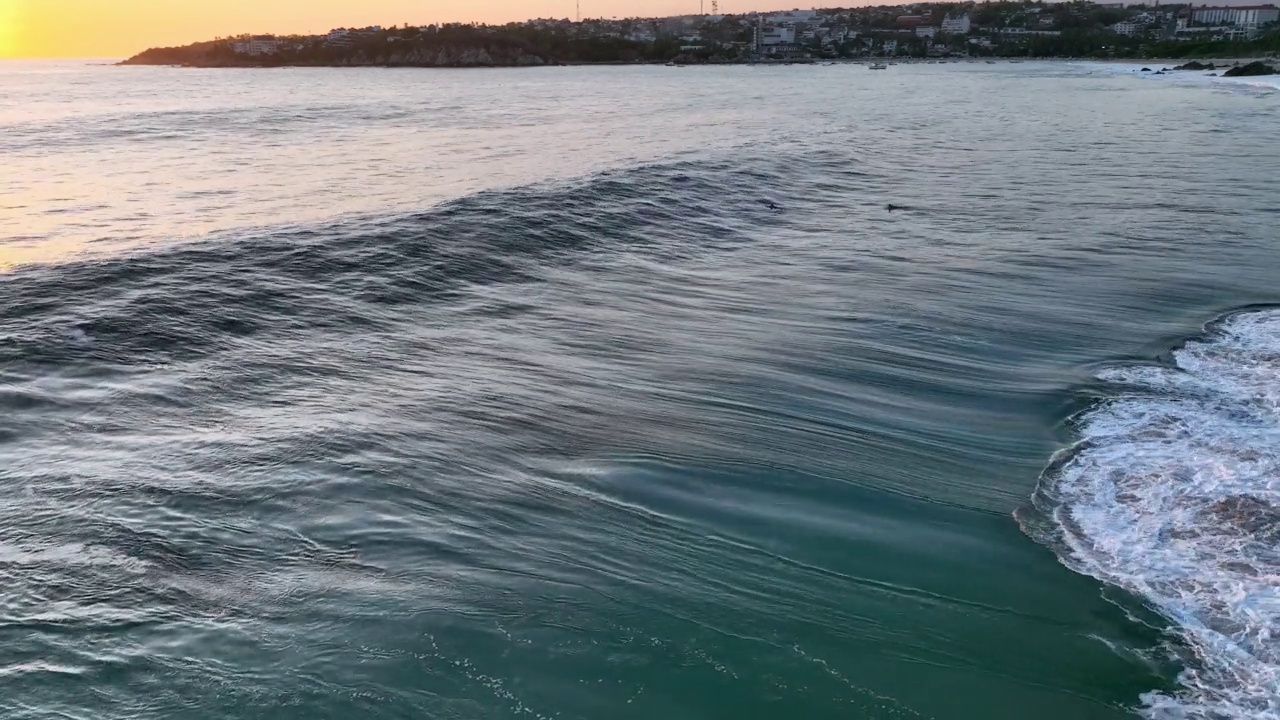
619 393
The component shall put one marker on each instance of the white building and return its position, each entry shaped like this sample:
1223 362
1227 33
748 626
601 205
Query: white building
1246 16
1020 32
1126 28
263 46
889 47
260 45
926 31
776 36
958 25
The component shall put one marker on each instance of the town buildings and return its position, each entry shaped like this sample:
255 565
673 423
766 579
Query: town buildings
919 30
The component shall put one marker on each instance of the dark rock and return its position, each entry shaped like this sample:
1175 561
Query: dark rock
1146 69
1244 516
1253 69
1193 65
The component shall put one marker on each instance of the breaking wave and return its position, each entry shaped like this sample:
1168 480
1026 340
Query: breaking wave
1173 494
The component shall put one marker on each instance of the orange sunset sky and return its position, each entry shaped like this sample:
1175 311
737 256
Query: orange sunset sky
119 28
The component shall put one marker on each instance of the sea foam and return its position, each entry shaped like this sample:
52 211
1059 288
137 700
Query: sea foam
1173 493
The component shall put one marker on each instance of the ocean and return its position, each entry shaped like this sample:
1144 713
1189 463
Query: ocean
620 392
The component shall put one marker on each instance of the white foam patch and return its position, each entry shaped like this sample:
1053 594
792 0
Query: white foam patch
1212 79
67 554
1174 495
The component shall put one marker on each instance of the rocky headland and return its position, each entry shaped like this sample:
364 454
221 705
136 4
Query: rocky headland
487 51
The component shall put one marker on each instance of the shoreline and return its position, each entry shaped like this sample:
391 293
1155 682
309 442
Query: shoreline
1218 62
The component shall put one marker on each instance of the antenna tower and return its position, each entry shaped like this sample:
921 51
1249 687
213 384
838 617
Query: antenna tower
579 10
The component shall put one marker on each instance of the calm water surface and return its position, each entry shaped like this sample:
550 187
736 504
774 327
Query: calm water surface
618 393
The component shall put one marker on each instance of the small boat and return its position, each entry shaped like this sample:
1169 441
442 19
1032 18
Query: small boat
878 66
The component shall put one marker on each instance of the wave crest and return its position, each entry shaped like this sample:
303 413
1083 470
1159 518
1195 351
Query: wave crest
1174 495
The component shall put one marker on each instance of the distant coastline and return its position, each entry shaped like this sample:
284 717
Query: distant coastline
1073 29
